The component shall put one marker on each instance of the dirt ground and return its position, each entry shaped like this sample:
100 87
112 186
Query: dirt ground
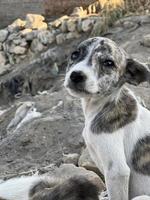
44 140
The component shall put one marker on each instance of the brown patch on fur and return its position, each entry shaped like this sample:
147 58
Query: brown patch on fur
115 115
41 185
77 188
141 156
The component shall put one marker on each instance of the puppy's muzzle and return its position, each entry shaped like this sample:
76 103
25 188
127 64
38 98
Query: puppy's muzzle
77 81
77 77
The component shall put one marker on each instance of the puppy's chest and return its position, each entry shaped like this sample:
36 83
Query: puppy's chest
95 140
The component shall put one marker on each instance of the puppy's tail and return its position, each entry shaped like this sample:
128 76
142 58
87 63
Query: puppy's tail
76 188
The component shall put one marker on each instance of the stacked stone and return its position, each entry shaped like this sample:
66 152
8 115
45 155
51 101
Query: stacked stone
25 39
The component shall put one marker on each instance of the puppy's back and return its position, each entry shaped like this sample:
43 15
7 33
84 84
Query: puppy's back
18 188
76 188
48 188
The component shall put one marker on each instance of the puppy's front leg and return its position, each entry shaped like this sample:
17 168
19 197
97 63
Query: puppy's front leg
110 148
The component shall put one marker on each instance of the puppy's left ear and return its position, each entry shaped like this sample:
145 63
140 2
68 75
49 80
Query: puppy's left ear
136 72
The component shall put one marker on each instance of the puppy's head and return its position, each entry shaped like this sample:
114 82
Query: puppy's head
99 67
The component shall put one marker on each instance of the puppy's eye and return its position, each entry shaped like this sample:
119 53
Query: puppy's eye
75 55
109 63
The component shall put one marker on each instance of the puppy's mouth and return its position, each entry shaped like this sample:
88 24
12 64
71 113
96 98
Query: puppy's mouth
77 88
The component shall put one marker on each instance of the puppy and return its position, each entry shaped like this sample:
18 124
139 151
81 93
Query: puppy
48 188
117 127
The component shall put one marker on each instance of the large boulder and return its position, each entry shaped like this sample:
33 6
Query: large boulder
66 171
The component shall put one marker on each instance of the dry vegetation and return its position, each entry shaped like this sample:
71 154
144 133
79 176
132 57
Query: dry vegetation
112 10
137 6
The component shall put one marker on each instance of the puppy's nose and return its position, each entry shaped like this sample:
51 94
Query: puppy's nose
77 76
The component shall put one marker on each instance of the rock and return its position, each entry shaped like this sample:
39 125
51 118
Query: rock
18 50
36 45
34 21
31 35
1 46
11 58
10 48
69 170
13 36
20 114
63 27
71 25
60 38
79 25
128 24
23 43
79 12
3 35
86 162
72 35
17 41
87 25
2 58
71 158
4 69
46 37
58 21
16 25
146 40
25 31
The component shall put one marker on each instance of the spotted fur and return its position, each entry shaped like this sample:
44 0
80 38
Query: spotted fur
76 188
116 114
114 119
141 156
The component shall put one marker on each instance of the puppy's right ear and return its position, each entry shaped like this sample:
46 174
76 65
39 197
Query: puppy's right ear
136 72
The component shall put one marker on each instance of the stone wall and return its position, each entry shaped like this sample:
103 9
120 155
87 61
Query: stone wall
59 7
13 9
25 39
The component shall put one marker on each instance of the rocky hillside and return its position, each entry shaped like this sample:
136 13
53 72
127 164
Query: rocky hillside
40 124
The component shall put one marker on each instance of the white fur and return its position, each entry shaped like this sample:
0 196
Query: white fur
112 151
116 149
18 188
144 197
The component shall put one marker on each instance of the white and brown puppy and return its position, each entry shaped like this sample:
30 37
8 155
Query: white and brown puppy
48 188
117 127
